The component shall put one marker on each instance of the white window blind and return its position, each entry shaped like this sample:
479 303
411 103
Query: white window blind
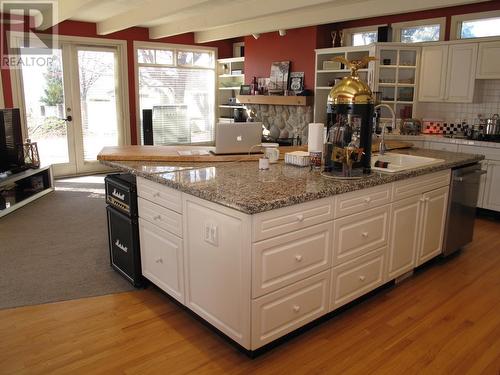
181 96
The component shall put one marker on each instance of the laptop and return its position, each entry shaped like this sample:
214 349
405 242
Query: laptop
237 138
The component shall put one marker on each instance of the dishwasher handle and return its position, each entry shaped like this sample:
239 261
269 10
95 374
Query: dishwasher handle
477 172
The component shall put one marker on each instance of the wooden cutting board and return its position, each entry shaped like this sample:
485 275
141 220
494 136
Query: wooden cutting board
171 153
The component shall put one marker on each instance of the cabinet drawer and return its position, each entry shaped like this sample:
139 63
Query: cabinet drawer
355 278
287 309
161 216
359 234
162 259
282 260
284 220
361 200
159 194
421 184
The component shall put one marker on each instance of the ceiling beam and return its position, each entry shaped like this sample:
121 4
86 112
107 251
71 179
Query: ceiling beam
228 13
65 10
149 11
322 14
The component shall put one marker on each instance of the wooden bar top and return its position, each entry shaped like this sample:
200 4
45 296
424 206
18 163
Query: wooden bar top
171 153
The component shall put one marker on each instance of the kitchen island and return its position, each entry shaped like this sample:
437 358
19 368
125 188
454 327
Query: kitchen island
259 254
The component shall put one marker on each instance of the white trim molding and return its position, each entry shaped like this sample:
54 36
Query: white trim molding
398 26
456 21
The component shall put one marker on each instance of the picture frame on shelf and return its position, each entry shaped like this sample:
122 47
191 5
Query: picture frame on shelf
280 71
245 89
296 81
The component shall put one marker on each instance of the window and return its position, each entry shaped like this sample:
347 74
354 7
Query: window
428 33
480 28
475 25
364 38
426 30
178 85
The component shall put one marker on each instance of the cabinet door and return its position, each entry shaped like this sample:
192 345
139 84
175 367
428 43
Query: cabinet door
404 236
432 223
461 73
162 259
487 61
491 199
432 80
217 266
482 184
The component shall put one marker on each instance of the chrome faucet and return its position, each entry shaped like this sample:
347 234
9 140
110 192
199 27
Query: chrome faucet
382 146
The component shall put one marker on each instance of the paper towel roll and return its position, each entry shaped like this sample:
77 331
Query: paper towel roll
315 137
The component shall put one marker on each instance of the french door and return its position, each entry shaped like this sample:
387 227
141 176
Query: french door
73 105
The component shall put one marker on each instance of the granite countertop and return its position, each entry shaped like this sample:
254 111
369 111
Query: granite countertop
241 186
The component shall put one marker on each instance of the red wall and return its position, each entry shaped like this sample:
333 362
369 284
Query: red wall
86 29
296 46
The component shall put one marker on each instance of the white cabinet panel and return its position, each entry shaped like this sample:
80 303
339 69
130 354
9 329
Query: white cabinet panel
433 219
357 277
159 194
421 184
461 73
487 61
359 234
403 243
162 259
491 199
161 216
289 308
432 82
282 260
218 266
362 200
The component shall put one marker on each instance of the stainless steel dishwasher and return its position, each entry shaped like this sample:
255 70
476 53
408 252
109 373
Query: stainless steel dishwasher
464 190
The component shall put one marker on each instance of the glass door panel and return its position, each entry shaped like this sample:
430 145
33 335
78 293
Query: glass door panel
98 101
44 100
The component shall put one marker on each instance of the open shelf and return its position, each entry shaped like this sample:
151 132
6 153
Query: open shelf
276 100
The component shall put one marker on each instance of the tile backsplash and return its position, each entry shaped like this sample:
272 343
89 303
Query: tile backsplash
486 102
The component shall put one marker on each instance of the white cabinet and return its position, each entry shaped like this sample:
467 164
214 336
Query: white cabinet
218 266
448 73
405 219
487 60
433 65
491 199
432 224
161 259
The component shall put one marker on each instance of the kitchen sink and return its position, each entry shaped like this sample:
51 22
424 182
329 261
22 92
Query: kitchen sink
401 162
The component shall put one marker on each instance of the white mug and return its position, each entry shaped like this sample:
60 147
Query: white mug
271 152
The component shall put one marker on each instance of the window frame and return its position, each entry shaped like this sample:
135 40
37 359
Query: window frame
398 26
174 48
457 20
348 33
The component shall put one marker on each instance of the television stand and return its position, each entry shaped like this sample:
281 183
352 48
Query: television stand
19 189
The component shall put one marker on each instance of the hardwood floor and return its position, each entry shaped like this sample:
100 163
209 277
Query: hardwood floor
444 320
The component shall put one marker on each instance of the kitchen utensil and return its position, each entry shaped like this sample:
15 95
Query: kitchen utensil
492 125
411 126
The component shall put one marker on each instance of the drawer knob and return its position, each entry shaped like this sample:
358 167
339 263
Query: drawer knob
159 260
364 234
298 258
296 308
362 278
157 217
368 200
300 217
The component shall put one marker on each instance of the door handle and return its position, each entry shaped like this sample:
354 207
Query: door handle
68 118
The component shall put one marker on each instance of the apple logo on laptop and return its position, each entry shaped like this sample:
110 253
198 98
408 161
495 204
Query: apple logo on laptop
239 138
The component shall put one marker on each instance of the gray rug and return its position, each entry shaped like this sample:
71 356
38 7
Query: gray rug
56 249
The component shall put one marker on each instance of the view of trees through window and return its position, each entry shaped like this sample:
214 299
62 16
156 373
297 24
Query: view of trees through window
425 33
364 38
480 28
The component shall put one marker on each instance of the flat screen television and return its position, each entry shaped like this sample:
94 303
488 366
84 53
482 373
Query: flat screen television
11 140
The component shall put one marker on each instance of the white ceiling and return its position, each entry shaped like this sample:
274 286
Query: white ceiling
221 19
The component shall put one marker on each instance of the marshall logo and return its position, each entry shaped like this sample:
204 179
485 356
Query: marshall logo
119 245
116 194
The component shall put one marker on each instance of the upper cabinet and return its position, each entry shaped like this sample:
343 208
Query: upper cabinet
448 72
488 66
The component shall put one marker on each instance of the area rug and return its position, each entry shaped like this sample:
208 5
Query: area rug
55 248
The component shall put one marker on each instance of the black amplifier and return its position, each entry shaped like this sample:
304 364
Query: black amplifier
121 193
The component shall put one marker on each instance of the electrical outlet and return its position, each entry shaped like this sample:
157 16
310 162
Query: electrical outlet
211 234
